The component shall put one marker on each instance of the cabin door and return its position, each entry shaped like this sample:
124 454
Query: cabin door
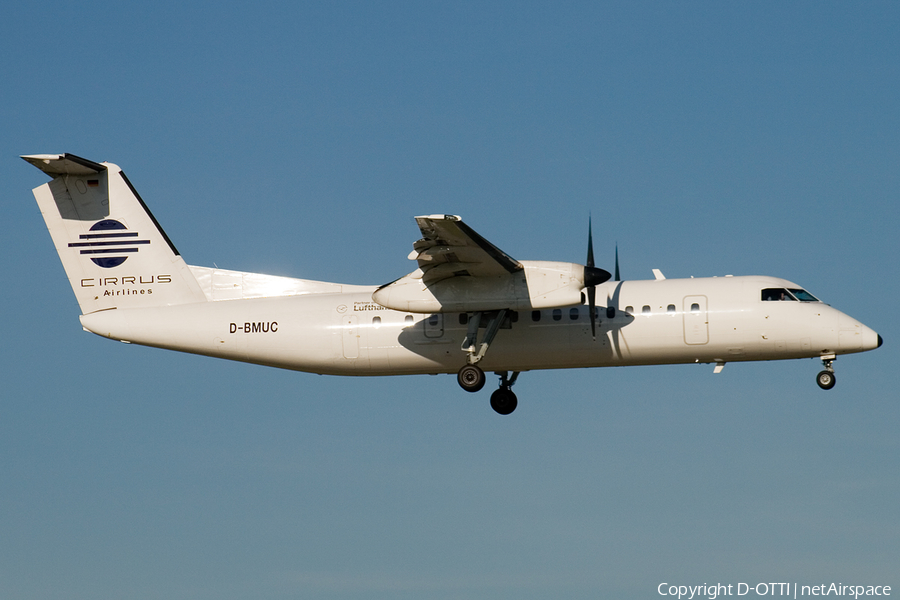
696 325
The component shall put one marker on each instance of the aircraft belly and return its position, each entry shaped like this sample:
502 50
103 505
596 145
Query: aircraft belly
523 347
530 346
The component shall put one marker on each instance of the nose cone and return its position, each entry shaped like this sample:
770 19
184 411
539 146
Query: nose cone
870 339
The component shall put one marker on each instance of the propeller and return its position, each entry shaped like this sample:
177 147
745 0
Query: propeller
594 277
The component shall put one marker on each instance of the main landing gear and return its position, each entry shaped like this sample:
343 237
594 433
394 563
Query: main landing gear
471 377
826 379
503 400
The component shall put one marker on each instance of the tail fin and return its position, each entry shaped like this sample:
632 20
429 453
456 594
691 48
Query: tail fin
114 252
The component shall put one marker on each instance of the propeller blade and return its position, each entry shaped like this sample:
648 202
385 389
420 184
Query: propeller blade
590 256
617 263
592 277
592 301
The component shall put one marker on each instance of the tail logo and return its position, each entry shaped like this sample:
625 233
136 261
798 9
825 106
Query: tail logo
109 244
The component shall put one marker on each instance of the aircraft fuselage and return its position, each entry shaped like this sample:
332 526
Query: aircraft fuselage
670 321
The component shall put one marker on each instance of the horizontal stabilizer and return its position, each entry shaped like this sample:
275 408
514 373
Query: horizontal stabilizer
64 164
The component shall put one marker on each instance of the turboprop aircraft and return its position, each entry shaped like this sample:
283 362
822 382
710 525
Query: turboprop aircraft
467 308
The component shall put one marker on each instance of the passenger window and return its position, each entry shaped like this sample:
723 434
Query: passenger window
463 318
514 316
376 322
695 308
610 312
670 309
408 319
573 314
557 314
629 310
535 315
645 310
433 320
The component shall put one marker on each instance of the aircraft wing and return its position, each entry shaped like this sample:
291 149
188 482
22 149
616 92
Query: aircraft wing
450 248
460 271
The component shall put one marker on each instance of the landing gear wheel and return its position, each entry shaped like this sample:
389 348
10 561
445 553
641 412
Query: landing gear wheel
471 378
826 380
504 401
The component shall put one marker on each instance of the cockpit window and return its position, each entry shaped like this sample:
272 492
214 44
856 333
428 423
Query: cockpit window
777 295
791 295
803 295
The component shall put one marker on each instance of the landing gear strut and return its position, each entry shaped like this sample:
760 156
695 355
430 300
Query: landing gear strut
504 401
826 379
471 378
475 351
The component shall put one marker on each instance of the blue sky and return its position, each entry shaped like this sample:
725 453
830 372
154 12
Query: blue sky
298 139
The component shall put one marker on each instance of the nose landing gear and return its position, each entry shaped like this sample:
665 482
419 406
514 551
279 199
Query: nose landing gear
826 378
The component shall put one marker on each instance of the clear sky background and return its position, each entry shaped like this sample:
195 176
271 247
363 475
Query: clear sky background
300 139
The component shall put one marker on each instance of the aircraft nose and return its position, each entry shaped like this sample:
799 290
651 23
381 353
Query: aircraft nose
871 340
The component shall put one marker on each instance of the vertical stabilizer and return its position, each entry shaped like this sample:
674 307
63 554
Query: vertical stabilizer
114 252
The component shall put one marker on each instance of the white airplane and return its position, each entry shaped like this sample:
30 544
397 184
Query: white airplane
467 308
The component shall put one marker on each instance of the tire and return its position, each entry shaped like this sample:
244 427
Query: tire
826 380
503 401
471 378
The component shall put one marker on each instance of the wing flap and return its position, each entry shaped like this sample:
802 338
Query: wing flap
450 248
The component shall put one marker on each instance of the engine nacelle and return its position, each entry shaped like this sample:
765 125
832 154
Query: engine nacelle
538 285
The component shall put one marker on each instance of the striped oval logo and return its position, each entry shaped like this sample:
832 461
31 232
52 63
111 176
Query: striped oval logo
108 243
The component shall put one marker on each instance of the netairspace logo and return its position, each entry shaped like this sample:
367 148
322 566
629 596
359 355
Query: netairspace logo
770 589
